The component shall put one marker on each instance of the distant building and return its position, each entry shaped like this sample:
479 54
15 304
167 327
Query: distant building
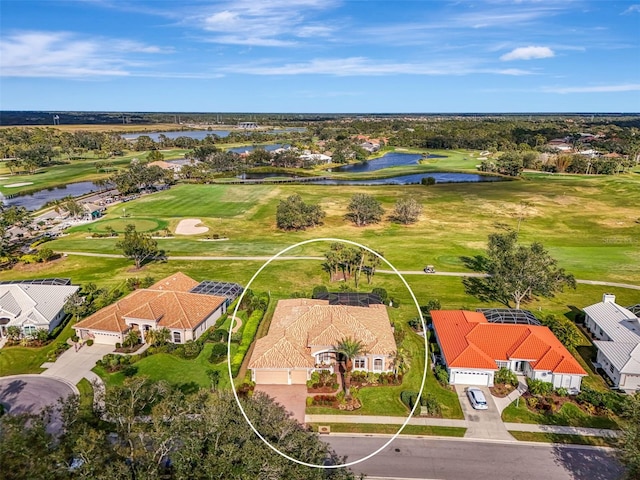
247 125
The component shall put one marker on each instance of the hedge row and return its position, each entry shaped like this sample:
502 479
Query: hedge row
248 334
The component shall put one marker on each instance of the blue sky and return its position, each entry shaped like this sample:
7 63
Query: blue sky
320 55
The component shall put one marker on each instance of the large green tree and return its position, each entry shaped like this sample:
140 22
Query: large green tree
152 430
364 209
516 274
630 451
138 246
294 214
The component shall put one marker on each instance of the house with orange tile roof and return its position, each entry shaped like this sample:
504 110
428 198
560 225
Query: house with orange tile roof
303 334
474 349
168 303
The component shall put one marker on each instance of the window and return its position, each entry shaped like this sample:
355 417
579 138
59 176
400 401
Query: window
502 364
360 363
325 357
29 330
177 338
377 364
611 368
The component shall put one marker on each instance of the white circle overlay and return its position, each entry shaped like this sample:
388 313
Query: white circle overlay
424 373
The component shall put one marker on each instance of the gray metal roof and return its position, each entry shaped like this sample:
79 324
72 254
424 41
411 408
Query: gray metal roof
617 322
9 304
620 355
231 291
623 327
37 303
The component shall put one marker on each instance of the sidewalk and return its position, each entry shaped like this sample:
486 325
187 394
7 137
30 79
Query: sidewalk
447 422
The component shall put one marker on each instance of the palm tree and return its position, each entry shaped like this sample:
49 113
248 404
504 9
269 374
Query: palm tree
401 362
350 348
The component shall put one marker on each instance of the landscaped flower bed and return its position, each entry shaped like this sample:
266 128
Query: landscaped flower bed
501 390
370 379
323 381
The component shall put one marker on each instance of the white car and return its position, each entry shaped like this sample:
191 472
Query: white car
477 398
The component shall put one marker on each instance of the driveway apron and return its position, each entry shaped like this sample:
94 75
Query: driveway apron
482 424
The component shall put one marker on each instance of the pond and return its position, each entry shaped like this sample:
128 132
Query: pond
391 159
440 177
36 200
251 148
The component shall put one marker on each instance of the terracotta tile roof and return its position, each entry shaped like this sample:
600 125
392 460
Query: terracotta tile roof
299 324
169 308
469 341
178 282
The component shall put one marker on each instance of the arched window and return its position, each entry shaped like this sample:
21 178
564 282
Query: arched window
177 338
377 364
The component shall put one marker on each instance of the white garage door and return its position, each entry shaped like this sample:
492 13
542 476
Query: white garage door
272 377
106 338
471 378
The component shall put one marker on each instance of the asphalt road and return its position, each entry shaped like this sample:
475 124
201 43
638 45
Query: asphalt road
449 459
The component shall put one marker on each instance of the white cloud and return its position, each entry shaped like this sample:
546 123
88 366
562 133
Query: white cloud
527 53
62 54
628 87
360 66
632 9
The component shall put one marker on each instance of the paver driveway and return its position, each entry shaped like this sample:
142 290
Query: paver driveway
292 397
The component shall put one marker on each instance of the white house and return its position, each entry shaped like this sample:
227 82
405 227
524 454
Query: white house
617 331
316 157
474 349
33 305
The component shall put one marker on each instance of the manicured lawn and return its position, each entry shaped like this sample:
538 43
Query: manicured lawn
86 393
567 439
175 370
588 224
392 429
119 225
569 414
19 360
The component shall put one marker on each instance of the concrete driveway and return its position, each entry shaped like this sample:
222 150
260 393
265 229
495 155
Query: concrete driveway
74 366
482 424
292 397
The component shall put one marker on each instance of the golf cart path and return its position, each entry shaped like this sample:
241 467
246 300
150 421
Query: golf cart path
263 258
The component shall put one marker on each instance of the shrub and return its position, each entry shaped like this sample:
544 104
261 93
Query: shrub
442 375
74 338
191 349
129 370
532 402
118 345
309 401
382 293
409 398
432 405
506 376
248 334
562 392
218 352
89 342
428 181
539 387
394 302
219 335
318 291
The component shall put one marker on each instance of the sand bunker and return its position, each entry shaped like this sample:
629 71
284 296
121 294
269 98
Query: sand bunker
13 185
189 226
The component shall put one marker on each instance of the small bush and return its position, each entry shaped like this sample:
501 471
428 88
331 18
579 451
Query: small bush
309 401
431 404
218 352
562 392
218 335
428 181
539 387
409 398
319 291
382 293
442 375
118 345
532 402
506 376
89 342
74 338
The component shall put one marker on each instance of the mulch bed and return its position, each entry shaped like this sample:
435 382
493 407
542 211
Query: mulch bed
326 389
501 390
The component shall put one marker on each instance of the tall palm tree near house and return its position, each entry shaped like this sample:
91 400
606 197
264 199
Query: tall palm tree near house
349 348
401 362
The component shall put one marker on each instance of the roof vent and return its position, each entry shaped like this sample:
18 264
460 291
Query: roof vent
608 298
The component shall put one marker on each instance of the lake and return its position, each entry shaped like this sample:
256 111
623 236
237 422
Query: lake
391 159
440 177
37 200
251 148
